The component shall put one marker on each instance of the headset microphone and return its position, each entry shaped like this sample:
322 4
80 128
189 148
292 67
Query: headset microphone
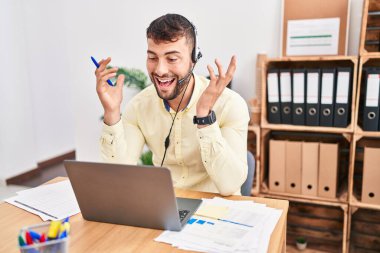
180 81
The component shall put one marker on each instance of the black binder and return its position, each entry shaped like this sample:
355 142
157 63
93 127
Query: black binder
286 96
298 95
371 100
343 97
327 97
313 90
273 97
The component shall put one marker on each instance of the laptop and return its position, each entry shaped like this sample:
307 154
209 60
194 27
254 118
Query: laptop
141 196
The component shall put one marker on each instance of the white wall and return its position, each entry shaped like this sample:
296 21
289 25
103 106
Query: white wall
17 143
36 112
52 41
48 69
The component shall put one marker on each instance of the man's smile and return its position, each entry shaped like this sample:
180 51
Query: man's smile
164 82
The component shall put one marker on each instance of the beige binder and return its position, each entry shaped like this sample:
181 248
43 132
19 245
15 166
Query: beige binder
371 176
293 167
277 165
310 164
328 170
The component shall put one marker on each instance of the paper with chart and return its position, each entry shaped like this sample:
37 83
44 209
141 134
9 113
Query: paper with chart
245 227
312 37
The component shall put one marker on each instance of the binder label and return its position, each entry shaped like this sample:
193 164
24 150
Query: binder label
299 88
342 87
312 88
273 88
372 94
327 88
286 92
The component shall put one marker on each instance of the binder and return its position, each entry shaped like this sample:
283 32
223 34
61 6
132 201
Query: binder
343 97
371 176
273 97
310 164
298 88
371 100
286 96
277 165
312 96
327 96
328 170
293 167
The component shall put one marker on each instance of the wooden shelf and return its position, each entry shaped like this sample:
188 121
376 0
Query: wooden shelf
358 131
340 201
356 203
313 58
319 129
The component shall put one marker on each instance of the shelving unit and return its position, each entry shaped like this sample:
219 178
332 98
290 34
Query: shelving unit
353 225
324 238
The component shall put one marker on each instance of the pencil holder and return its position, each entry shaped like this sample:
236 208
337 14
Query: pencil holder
51 246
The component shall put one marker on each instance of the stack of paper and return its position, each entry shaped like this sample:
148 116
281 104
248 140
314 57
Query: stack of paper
226 226
51 202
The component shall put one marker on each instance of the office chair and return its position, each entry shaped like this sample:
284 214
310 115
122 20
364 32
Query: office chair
247 185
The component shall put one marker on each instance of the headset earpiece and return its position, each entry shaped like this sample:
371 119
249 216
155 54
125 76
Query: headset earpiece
195 53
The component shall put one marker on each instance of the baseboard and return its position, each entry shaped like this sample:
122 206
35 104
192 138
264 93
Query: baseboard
19 179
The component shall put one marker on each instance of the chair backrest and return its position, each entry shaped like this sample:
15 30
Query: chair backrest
247 185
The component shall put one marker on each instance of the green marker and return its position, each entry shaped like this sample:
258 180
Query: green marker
21 241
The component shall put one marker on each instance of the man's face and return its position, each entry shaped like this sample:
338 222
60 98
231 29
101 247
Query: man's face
168 62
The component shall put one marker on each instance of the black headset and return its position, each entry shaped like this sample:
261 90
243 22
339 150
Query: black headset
195 53
195 56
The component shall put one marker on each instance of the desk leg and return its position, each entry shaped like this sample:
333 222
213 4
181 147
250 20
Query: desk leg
284 238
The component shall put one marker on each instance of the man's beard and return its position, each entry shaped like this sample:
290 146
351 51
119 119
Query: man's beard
178 89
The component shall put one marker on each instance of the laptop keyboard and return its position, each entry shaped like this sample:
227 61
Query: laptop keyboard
183 214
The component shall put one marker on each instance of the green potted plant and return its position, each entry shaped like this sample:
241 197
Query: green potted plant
301 243
134 78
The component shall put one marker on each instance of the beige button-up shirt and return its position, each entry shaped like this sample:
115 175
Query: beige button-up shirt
211 159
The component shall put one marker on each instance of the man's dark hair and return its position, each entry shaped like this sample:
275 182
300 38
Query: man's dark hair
171 27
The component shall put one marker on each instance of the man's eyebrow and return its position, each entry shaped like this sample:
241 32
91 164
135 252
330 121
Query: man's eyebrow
170 52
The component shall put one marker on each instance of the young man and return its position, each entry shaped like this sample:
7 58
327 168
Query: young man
205 153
